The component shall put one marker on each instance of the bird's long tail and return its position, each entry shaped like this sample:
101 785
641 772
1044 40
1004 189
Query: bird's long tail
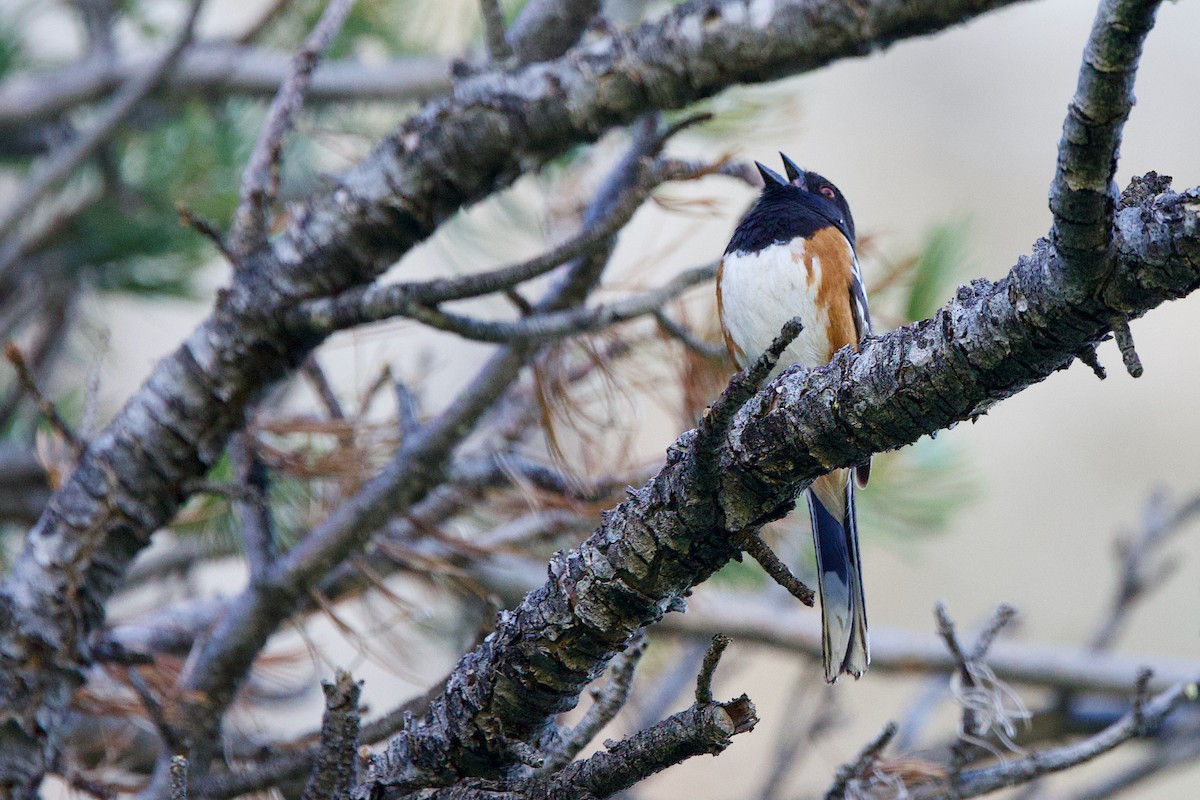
839 575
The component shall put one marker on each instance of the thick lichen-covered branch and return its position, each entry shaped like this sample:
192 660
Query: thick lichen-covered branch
991 341
1083 195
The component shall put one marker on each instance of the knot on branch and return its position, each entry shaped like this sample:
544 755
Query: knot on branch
1143 188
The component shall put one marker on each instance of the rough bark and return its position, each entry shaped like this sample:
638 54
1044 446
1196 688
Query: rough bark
990 342
458 150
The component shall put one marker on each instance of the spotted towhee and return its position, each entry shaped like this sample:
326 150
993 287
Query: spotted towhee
793 254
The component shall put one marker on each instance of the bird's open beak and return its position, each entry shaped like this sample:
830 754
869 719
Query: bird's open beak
770 177
794 173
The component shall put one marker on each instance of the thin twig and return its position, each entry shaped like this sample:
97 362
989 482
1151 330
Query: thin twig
548 326
708 668
1124 337
1000 618
761 552
312 372
154 709
493 31
1088 356
1141 568
253 511
266 17
98 20
709 350
47 409
54 313
989 707
206 229
260 181
857 768
364 305
408 408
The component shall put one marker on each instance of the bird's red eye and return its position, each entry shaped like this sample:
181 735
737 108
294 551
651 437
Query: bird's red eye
827 191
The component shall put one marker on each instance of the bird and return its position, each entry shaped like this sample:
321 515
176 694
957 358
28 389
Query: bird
792 255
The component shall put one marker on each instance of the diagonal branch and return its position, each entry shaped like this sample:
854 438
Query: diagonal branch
991 341
541 328
980 781
219 667
376 303
456 151
260 183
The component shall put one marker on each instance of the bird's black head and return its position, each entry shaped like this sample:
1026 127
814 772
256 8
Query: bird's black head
797 205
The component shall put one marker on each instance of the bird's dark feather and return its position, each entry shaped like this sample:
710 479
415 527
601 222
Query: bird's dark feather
784 213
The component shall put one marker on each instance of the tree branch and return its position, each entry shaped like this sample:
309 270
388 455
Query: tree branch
334 772
208 69
456 151
1083 195
260 182
894 650
376 303
546 29
542 328
972 783
695 731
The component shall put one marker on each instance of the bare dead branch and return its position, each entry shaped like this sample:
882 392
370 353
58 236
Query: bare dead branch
253 511
1141 567
98 20
179 778
207 230
1083 196
373 304
972 783
857 769
333 773
606 703
763 623
345 237
761 552
708 668
265 19
493 30
710 350
419 466
1088 357
260 182
315 376
1129 356
696 731
209 69
45 407
1164 757
547 327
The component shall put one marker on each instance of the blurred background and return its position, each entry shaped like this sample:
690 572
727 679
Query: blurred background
944 146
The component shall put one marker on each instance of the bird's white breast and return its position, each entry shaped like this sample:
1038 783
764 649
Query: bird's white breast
761 291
